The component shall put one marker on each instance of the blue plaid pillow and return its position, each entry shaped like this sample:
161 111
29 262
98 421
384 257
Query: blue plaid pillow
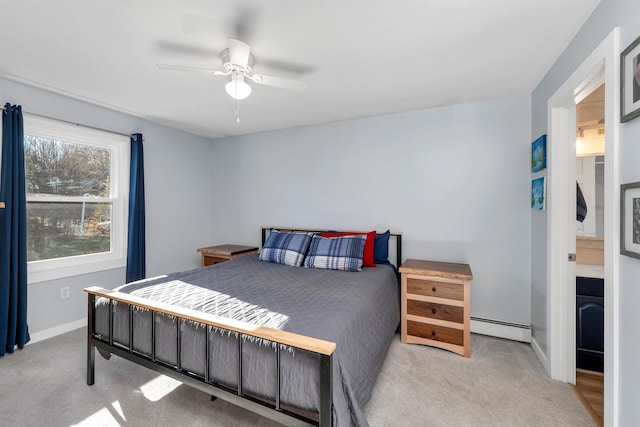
284 247
336 253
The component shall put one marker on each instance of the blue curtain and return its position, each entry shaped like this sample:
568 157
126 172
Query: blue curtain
136 265
13 234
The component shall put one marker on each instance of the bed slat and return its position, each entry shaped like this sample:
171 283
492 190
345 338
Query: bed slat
91 349
277 377
239 364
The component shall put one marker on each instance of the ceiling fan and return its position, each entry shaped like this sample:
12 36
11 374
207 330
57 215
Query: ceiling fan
237 62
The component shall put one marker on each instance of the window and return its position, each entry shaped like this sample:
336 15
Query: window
77 190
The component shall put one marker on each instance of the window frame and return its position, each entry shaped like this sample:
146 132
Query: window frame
119 146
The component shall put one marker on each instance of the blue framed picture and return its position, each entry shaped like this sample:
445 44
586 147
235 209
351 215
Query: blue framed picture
539 154
538 194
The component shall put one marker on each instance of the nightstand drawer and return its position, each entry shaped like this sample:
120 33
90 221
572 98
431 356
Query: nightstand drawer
435 332
433 310
211 260
435 289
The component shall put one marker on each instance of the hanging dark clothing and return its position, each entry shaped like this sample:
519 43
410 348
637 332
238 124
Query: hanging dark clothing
581 209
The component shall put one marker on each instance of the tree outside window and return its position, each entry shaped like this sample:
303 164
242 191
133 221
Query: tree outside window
69 208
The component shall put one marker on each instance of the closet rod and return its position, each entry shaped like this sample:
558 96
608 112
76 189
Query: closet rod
76 124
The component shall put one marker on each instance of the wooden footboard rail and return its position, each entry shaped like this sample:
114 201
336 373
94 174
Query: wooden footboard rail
272 410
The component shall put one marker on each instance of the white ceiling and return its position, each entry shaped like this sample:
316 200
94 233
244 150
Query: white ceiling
360 57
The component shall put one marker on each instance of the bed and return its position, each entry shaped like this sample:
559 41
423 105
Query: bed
297 345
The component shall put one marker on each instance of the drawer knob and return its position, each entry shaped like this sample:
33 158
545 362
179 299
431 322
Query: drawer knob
433 289
433 333
433 310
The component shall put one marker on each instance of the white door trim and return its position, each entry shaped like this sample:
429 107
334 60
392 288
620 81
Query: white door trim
602 65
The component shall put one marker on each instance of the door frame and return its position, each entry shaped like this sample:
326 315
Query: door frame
601 66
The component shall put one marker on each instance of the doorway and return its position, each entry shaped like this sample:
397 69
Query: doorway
601 66
589 280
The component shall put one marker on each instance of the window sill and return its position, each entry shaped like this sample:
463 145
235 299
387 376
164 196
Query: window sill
39 273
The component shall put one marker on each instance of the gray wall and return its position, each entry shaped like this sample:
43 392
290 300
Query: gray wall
608 15
177 200
455 180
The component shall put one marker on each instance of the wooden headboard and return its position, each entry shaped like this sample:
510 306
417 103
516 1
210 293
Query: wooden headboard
396 234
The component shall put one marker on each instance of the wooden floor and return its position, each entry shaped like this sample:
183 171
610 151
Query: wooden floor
590 390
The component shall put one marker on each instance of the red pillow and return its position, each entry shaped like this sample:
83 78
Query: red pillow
369 243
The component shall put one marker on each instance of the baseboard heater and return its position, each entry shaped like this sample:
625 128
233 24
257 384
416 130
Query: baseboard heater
501 329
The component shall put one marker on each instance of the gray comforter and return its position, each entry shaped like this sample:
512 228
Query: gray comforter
359 311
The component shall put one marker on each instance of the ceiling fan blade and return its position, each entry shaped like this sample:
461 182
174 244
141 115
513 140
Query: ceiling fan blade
245 21
279 82
186 68
239 52
176 48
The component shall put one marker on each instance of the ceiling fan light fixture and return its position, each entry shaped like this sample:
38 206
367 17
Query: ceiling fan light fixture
237 88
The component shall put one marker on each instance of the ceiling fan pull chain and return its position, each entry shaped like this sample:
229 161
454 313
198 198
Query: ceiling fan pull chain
237 111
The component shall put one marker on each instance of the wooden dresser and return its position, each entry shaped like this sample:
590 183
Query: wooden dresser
215 254
436 305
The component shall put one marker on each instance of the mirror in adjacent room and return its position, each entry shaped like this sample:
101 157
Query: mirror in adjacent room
590 161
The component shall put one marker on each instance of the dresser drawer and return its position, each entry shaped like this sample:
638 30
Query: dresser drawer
434 310
435 289
435 332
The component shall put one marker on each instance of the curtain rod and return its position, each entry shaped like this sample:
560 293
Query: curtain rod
76 124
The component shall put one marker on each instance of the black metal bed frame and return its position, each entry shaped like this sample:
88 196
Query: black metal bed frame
272 410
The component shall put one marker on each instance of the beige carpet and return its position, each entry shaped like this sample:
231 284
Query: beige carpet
503 384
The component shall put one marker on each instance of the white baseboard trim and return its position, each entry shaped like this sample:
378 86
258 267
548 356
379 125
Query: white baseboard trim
541 356
58 330
501 329
479 325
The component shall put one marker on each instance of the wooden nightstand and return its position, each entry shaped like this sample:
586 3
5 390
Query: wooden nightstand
221 253
436 305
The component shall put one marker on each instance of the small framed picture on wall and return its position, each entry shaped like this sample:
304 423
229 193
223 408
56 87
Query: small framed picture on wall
538 194
630 219
539 154
630 82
